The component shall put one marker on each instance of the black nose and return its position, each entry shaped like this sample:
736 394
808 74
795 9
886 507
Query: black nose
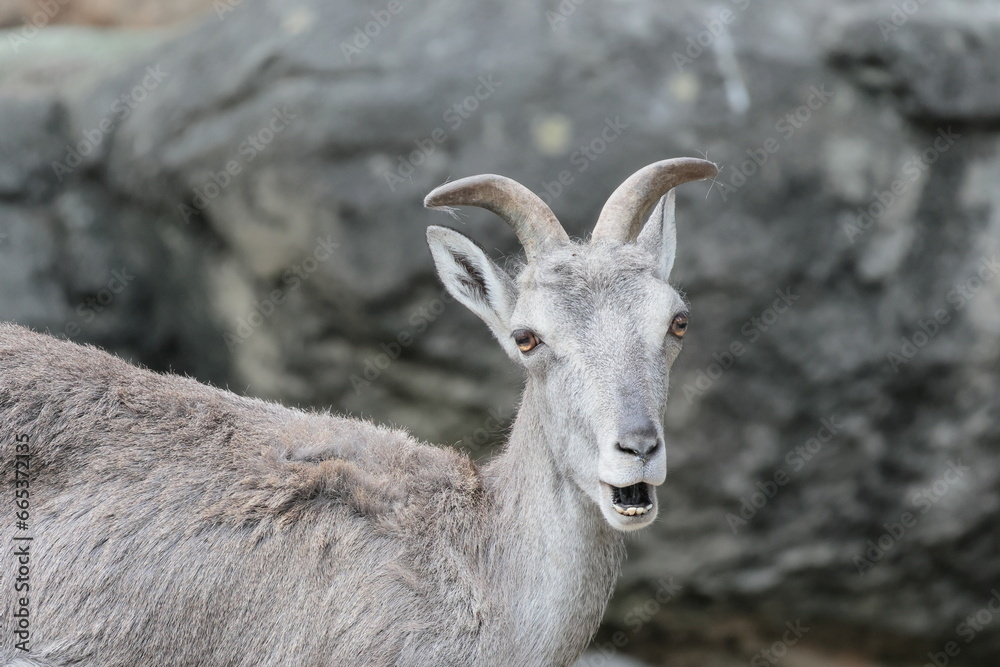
639 439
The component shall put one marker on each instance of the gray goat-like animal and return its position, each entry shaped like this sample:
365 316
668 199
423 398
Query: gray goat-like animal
173 523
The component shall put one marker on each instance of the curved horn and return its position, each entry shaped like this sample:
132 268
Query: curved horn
532 220
626 210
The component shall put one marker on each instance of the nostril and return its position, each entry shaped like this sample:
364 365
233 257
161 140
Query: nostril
638 436
639 446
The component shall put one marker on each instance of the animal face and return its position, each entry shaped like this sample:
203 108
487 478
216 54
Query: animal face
595 325
597 330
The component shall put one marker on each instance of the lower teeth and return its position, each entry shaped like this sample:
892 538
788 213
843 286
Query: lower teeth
632 511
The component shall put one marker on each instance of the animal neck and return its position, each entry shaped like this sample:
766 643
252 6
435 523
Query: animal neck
558 558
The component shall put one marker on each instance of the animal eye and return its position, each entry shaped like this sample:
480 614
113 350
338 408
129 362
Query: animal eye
526 340
680 324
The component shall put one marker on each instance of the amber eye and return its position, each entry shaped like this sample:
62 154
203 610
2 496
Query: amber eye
526 340
680 325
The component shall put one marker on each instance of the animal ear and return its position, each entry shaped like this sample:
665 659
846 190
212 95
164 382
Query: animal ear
659 235
475 281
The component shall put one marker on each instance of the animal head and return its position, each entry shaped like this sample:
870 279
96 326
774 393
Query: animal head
595 324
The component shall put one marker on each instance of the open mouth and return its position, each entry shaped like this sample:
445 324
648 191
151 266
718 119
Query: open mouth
632 500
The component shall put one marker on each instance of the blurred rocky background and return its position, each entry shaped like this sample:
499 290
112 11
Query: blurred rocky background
232 190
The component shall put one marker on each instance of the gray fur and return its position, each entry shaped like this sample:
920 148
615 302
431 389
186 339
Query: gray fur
179 524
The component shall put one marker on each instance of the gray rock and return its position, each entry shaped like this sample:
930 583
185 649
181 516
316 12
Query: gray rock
937 65
31 139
